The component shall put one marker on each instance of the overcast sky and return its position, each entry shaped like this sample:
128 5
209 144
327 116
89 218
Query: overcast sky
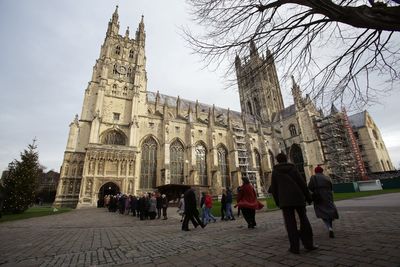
48 49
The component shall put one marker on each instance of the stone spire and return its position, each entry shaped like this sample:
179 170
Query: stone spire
296 93
140 33
113 25
253 49
178 106
127 32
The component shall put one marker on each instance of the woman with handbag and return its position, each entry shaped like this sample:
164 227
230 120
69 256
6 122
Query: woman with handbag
321 187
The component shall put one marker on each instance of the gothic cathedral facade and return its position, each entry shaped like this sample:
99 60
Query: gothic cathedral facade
131 140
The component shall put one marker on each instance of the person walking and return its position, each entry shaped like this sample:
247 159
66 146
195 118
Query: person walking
181 207
164 205
321 185
223 204
133 205
228 205
159 205
191 212
290 193
248 203
152 206
208 202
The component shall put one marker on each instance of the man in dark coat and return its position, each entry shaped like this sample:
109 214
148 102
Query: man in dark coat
191 212
159 205
291 193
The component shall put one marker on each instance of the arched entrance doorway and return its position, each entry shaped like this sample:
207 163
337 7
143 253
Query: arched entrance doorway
109 188
296 157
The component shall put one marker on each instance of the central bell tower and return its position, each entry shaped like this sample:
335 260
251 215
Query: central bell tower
259 90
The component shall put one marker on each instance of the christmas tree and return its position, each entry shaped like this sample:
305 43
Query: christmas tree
20 182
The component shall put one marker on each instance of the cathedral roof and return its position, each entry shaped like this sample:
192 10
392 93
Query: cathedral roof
358 120
284 113
220 113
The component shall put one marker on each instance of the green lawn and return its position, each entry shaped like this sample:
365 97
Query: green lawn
341 196
337 196
35 211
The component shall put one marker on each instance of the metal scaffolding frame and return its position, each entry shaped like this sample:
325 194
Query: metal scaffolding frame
337 148
243 156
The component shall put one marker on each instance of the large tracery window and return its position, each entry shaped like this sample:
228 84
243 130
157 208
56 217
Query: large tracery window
176 151
114 138
257 108
148 170
223 166
201 163
271 158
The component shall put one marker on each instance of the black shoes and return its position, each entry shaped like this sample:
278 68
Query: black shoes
185 230
294 251
331 234
312 248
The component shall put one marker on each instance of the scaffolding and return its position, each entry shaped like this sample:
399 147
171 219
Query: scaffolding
337 148
243 157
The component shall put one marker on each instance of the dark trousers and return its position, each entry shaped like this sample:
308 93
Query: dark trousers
158 213
305 233
191 217
164 212
223 211
250 216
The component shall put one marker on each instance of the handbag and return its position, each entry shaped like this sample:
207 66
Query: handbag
316 196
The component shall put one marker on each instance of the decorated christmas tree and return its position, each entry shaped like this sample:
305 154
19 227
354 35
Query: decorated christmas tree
20 182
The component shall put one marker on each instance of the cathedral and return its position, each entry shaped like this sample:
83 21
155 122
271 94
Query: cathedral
131 140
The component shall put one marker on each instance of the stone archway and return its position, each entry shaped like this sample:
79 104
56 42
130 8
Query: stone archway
296 156
109 188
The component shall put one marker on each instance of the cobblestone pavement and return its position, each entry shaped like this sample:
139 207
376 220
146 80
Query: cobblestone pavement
367 234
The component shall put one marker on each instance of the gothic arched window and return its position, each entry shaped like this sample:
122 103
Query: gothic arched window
223 166
114 138
257 109
201 163
249 107
177 153
296 155
292 130
271 158
131 54
148 170
118 50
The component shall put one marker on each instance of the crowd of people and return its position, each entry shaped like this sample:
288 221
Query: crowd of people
288 188
146 206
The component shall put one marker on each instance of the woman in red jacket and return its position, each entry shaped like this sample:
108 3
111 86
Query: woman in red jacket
208 207
248 203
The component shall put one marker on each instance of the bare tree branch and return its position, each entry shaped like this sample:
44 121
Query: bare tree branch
337 48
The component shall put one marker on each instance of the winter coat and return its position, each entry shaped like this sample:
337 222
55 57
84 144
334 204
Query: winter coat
208 201
288 187
164 202
325 208
181 206
159 202
223 200
229 197
153 204
247 198
190 203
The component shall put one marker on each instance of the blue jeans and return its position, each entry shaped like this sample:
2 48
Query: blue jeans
228 211
208 215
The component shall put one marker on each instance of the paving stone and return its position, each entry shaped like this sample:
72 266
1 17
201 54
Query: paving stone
365 236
